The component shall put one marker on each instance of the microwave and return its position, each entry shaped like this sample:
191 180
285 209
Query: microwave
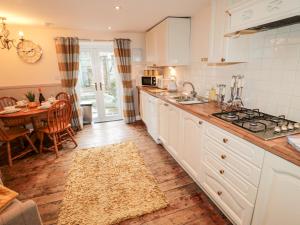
148 81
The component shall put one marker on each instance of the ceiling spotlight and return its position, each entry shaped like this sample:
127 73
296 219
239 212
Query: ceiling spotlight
117 7
109 28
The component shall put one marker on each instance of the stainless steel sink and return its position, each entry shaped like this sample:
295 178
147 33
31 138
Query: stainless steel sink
187 100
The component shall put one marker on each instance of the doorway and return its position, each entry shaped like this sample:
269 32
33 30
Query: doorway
99 83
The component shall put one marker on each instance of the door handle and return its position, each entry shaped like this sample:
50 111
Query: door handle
100 86
96 87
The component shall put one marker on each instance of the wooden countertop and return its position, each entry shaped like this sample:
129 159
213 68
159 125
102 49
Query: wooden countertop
279 146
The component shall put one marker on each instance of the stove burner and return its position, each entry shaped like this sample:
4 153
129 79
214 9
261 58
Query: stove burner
262 125
231 115
253 124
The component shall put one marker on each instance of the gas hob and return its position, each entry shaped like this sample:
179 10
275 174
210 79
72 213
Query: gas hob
260 124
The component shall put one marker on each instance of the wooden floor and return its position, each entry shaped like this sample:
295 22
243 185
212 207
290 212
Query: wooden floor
41 177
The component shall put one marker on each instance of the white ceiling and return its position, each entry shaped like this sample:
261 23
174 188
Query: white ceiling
135 15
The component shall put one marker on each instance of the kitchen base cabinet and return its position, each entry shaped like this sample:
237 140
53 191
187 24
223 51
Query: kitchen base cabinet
149 113
169 127
174 117
191 145
238 209
163 122
278 200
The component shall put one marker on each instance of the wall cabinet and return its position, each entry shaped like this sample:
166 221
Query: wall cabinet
278 199
168 43
225 50
258 12
191 148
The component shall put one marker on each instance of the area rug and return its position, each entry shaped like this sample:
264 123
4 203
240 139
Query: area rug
107 185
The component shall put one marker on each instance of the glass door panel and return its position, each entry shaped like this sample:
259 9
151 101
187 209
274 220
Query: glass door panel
99 81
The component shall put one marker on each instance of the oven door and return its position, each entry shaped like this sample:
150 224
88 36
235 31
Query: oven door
147 81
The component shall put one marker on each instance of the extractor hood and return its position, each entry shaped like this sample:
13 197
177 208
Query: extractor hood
266 26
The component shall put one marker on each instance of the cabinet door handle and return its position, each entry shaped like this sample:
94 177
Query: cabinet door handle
223 156
96 87
219 193
225 140
200 122
222 172
223 59
100 86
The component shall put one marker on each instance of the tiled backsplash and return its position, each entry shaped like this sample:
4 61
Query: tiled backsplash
272 74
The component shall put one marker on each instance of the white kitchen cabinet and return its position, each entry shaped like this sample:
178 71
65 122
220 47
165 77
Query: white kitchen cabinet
151 46
278 199
235 206
163 122
149 113
253 13
191 148
174 117
225 50
168 43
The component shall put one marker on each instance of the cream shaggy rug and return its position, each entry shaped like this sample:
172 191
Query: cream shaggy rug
107 185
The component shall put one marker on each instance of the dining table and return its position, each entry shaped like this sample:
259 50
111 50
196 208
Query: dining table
26 116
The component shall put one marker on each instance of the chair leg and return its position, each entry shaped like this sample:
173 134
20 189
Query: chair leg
72 137
72 131
9 154
31 143
55 144
42 135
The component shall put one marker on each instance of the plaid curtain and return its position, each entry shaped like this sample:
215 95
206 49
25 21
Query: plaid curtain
123 58
67 50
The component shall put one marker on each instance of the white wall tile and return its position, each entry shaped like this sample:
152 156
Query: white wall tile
272 75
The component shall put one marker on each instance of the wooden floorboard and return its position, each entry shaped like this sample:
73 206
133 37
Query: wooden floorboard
42 177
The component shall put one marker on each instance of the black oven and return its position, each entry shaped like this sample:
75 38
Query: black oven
148 81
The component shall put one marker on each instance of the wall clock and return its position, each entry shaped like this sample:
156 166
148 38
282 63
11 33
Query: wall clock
29 52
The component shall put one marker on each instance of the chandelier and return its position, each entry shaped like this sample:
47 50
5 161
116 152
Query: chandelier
5 42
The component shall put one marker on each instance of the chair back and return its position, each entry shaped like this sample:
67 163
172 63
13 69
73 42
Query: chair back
59 116
7 101
63 96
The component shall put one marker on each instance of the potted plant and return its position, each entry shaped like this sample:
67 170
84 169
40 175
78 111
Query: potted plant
31 98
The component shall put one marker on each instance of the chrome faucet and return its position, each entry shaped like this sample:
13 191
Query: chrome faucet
193 92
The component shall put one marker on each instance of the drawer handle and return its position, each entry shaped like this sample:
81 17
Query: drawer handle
223 156
166 104
200 122
225 140
219 193
222 172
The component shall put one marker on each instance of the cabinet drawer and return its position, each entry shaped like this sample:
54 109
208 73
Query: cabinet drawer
229 200
244 149
231 177
247 170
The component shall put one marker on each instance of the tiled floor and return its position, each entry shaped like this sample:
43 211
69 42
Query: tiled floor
42 177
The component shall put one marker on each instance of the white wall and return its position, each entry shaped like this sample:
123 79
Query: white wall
14 72
272 74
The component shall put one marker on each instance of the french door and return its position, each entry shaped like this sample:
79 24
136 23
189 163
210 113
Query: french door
99 83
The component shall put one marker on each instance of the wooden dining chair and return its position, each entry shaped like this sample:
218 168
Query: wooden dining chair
62 96
7 101
10 101
9 135
58 127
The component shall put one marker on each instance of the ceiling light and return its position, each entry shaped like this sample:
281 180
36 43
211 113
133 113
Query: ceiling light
117 7
109 28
